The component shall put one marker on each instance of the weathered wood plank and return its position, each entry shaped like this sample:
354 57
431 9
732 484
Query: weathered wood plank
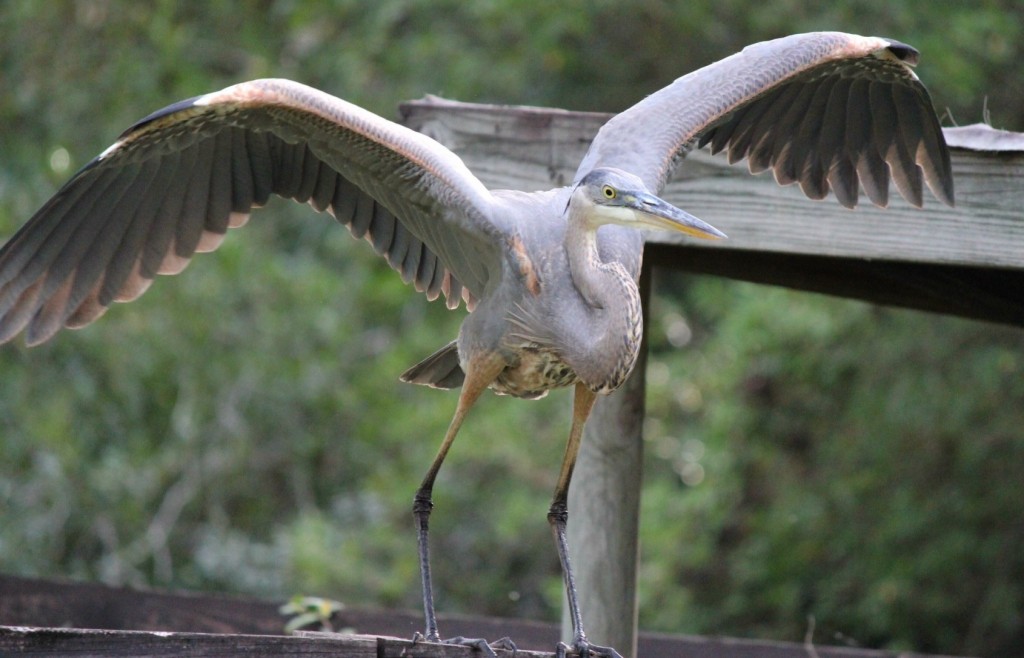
991 294
985 229
35 602
508 147
388 647
60 642
151 623
983 137
91 643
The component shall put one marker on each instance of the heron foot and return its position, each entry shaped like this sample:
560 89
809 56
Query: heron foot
585 649
481 645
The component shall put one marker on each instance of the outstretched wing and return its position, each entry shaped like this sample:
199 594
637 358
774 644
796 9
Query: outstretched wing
825 110
176 181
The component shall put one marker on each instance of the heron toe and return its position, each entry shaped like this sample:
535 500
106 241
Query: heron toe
585 649
483 646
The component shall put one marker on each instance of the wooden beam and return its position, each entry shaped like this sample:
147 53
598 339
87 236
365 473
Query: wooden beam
993 294
87 619
52 603
983 230
62 642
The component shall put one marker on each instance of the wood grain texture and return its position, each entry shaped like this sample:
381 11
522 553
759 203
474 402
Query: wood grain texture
55 642
47 618
90 643
51 603
985 229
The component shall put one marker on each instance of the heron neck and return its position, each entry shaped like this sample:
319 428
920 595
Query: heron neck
599 283
590 274
612 294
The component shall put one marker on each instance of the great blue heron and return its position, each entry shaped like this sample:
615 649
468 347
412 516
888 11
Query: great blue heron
549 277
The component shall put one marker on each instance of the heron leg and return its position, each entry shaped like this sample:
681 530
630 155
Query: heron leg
558 516
481 371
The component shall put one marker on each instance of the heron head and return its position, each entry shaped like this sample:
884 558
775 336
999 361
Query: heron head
613 196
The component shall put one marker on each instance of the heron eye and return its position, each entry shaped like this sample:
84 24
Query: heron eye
608 191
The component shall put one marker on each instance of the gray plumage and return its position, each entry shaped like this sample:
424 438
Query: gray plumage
550 277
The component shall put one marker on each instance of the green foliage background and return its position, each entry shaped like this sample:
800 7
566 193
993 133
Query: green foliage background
241 428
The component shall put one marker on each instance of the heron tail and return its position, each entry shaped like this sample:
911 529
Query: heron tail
439 370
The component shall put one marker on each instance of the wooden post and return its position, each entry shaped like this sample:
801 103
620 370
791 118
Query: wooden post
604 511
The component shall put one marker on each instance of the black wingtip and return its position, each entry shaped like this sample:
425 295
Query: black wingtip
160 114
134 128
904 52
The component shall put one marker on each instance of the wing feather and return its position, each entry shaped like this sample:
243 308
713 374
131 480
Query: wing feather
58 243
288 169
89 274
767 130
261 166
382 231
243 184
160 239
922 143
838 169
411 253
326 184
811 167
175 182
746 131
784 156
193 211
124 257
220 201
891 148
872 172
66 285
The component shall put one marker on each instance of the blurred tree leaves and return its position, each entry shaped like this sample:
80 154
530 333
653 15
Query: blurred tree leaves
859 469
241 427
